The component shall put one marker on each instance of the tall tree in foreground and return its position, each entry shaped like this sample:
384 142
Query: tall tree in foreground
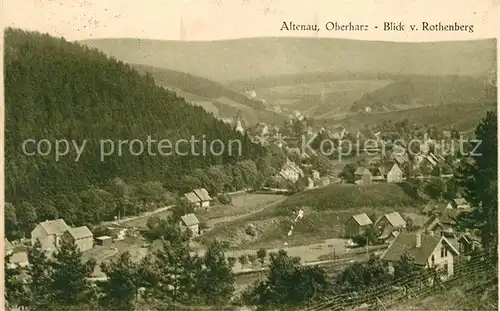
14 289
217 279
121 290
39 279
70 286
478 176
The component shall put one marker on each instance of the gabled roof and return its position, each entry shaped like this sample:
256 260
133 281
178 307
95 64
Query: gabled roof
469 238
192 197
362 219
432 222
57 226
361 171
395 219
394 167
202 193
190 219
406 242
80 232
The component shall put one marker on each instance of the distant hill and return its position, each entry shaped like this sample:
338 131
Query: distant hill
419 91
464 117
214 97
252 58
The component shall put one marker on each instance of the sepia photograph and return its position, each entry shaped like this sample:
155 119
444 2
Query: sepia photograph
249 155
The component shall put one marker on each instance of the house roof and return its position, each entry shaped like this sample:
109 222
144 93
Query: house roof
395 219
20 257
57 226
80 232
192 197
190 219
432 222
202 193
362 219
361 171
406 242
469 238
7 245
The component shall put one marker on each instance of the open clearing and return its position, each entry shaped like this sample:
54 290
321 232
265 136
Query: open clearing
316 99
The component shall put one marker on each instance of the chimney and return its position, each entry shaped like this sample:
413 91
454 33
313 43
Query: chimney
418 240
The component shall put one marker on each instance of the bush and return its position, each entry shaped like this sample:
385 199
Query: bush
250 230
359 240
225 199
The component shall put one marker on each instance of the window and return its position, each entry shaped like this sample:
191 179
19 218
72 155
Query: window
433 260
442 252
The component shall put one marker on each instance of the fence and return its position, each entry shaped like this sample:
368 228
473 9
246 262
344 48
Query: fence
477 272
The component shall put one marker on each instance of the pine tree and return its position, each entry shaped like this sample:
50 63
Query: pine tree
39 296
14 289
70 286
217 279
121 290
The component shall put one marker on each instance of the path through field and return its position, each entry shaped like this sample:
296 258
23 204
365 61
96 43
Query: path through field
218 221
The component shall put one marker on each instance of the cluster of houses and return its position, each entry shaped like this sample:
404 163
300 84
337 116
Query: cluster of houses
436 244
199 198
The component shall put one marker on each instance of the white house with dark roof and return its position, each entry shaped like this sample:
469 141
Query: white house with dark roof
357 224
81 236
49 233
190 222
426 251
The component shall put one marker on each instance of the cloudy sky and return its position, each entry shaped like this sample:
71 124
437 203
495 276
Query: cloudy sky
224 19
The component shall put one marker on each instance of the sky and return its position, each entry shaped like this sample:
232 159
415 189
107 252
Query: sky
197 20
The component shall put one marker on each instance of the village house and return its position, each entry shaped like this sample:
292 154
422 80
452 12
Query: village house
290 171
18 260
81 236
434 226
356 225
190 222
205 198
468 243
193 199
363 176
426 250
105 241
199 197
8 247
49 233
459 203
315 175
310 183
388 235
394 174
392 220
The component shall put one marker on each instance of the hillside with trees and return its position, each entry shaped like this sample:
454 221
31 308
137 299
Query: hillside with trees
422 91
57 90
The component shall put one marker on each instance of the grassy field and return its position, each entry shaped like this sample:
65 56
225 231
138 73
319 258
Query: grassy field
316 99
325 212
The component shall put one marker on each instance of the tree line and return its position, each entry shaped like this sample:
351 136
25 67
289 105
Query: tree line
56 89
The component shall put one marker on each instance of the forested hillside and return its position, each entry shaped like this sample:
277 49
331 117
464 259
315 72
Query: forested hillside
57 90
419 91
